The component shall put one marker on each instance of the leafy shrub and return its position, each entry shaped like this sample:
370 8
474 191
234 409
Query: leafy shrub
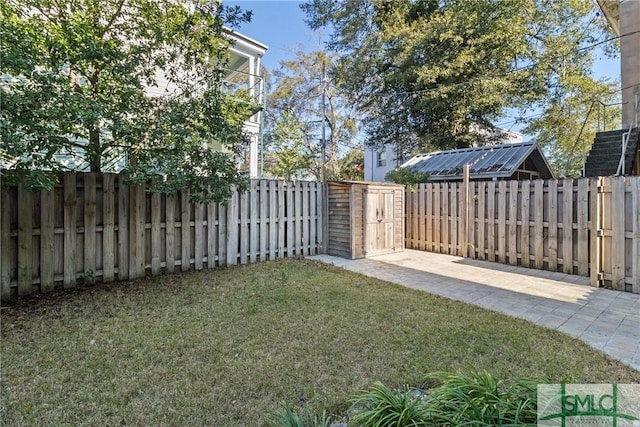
286 417
382 407
479 399
406 176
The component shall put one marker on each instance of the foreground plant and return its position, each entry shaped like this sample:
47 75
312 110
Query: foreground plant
382 407
287 417
478 399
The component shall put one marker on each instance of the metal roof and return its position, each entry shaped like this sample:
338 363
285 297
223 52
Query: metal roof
486 162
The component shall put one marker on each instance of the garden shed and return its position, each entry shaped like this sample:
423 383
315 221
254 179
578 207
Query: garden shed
365 219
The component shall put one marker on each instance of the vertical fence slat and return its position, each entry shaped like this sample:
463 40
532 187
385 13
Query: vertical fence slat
5 241
273 228
199 237
408 238
70 219
552 230
481 200
453 215
321 201
583 227
108 228
123 229
567 226
89 228
264 209
491 221
155 233
25 241
282 219
421 217
446 224
312 219
185 232
244 227
222 234
513 222
253 226
290 220
298 218
594 226
305 218
469 239
414 220
429 216
137 199
502 224
232 229
538 227
524 223
212 235
635 228
47 211
170 233
617 235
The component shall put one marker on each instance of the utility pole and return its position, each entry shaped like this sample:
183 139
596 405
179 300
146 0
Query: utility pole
323 151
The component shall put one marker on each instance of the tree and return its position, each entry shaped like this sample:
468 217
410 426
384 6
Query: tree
428 72
290 153
351 165
110 79
298 88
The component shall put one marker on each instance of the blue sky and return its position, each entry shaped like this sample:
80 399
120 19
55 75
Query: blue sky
280 25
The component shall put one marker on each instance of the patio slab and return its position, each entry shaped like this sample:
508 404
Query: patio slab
607 320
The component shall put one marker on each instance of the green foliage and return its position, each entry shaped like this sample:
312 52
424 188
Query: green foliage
383 407
297 90
286 417
406 176
440 73
477 398
105 81
351 165
290 154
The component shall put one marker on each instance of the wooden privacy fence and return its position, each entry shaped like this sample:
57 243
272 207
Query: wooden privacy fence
93 227
589 227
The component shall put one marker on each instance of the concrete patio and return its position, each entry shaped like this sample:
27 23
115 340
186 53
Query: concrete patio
607 320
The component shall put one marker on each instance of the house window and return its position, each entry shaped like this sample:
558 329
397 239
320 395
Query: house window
382 158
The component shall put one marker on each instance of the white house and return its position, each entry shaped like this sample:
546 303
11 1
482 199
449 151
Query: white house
377 162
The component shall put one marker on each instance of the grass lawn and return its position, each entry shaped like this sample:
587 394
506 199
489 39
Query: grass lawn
225 347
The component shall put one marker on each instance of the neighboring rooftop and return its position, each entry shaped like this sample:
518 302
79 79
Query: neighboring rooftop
506 161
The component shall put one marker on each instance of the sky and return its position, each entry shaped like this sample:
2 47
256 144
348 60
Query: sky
280 25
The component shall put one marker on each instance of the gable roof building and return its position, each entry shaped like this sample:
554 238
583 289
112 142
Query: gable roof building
506 161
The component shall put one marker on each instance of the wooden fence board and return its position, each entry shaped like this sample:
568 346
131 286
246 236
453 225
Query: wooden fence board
156 246
90 221
290 221
47 223
298 218
480 203
136 231
222 235
185 232
273 227
595 206
429 217
446 225
525 230
232 230
513 222
281 220
567 226
108 228
453 218
264 212
635 228
70 229
491 221
617 233
552 229
5 246
253 225
25 241
582 249
538 228
170 233
244 227
502 223
198 236
305 219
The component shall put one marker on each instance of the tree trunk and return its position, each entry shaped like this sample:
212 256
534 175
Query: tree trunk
94 151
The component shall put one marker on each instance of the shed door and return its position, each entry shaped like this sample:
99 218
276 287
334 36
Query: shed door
379 223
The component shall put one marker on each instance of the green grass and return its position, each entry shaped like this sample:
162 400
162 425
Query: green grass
226 347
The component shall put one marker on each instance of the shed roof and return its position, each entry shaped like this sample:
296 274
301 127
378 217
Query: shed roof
486 162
